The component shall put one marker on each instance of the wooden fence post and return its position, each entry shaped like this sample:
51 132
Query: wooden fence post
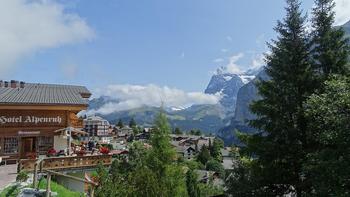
35 176
92 192
48 185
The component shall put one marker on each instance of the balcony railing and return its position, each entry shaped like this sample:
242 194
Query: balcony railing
65 163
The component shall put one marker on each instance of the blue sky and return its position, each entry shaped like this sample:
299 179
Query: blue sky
169 43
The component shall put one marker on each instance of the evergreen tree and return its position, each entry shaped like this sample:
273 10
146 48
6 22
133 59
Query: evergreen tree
198 132
278 149
132 123
215 149
203 155
330 49
177 131
161 160
120 123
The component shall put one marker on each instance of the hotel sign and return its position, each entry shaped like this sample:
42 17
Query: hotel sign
32 118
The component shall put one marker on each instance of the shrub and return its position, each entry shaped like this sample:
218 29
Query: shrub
22 176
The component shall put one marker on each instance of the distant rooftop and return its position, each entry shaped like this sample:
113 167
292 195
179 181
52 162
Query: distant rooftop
15 92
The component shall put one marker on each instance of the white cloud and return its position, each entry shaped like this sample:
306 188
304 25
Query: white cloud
258 61
342 10
134 96
229 38
255 62
28 26
218 60
232 67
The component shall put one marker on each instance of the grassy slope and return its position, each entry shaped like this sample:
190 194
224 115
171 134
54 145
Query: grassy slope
13 191
61 191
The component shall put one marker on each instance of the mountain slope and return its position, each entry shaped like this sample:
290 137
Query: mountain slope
246 95
227 85
207 118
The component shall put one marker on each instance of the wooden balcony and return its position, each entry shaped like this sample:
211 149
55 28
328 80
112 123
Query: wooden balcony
64 163
75 121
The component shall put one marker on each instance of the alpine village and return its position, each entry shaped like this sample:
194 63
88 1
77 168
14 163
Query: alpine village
281 129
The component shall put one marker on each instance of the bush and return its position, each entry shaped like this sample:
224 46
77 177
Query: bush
22 176
214 165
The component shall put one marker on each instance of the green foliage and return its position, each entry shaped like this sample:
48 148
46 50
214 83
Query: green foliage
147 172
329 113
301 146
61 190
194 165
207 190
216 166
330 50
132 123
215 149
278 149
120 123
195 132
136 130
11 191
22 176
177 131
192 184
204 155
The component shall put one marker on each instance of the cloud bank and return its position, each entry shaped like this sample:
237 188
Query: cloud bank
342 12
233 67
28 26
135 96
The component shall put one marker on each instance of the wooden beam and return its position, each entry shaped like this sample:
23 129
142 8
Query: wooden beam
71 177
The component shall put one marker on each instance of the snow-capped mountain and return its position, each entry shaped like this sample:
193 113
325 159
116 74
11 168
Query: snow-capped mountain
206 117
228 85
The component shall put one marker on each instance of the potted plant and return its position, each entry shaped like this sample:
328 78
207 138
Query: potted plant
81 152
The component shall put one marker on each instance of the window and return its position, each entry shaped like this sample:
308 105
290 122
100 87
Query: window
10 145
45 143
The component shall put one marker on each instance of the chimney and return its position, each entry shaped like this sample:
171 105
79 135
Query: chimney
13 84
6 84
21 84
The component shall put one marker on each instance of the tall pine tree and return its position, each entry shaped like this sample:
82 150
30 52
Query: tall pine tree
278 150
330 49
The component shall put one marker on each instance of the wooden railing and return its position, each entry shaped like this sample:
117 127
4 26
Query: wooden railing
64 163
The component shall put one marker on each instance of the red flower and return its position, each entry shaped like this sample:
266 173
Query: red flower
104 150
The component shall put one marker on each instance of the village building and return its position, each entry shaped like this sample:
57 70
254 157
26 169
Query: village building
97 129
188 146
32 116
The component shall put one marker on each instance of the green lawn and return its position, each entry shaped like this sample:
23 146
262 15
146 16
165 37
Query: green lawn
61 191
13 191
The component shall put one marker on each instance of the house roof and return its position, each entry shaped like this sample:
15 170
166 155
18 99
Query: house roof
44 94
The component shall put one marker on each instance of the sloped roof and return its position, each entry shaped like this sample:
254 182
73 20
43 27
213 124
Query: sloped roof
46 94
